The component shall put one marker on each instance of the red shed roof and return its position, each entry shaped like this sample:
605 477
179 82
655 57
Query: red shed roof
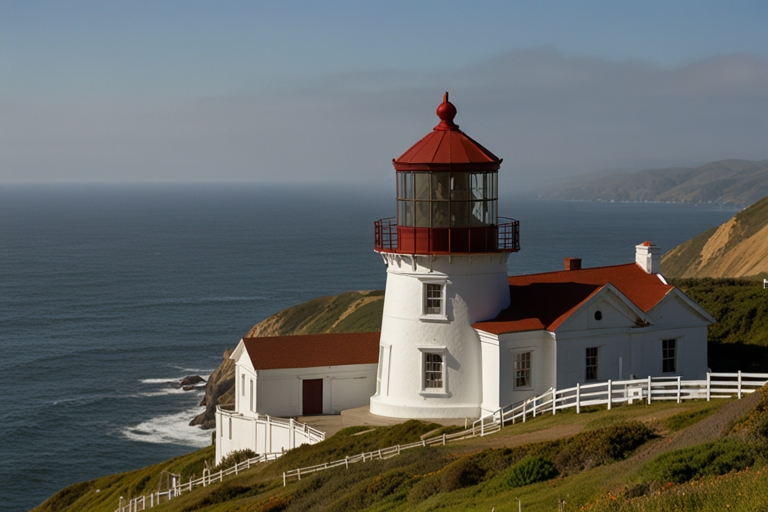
447 147
312 350
545 301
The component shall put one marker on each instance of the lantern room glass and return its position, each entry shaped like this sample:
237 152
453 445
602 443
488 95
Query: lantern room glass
443 199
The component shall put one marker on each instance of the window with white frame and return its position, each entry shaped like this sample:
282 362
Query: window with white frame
433 299
433 371
669 356
591 363
522 369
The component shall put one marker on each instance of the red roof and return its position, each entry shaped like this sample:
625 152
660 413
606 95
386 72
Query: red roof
446 147
312 350
545 301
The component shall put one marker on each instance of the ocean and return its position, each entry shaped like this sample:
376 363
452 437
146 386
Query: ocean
111 294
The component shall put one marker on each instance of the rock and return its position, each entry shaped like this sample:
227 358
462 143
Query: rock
219 390
189 383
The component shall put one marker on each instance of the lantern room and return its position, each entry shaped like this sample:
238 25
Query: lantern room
447 197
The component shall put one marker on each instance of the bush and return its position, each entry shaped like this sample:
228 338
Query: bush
601 446
529 471
233 458
708 459
465 472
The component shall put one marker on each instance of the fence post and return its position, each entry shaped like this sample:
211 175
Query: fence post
679 387
554 401
443 441
709 385
739 388
283 478
346 461
578 398
525 403
649 390
610 394
298 473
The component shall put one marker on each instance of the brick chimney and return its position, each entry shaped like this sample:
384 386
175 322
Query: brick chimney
572 263
648 256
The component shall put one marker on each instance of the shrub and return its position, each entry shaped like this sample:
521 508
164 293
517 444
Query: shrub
233 458
708 459
601 446
464 472
220 494
529 471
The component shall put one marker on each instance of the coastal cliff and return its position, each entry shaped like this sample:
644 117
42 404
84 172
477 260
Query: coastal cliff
358 311
738 248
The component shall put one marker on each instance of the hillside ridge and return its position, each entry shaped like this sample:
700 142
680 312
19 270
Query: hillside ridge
737 248
739 182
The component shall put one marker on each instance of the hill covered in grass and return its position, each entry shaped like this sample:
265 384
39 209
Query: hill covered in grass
740 182
696 455
738 248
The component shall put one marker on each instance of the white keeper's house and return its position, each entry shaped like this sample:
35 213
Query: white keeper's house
459 337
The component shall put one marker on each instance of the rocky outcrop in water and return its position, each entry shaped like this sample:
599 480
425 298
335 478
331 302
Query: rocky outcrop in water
219 390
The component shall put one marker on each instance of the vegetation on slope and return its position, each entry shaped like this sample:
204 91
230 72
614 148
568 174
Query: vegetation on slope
346 312
739 339
726 181
738 248
475 474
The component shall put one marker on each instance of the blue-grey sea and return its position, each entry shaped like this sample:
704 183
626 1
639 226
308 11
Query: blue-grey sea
110 294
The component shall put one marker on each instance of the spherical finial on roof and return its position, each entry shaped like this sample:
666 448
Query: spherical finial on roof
446 112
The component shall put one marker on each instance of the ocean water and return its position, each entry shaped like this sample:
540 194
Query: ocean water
110 294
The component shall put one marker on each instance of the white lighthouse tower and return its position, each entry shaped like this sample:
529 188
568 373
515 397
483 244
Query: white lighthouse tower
446 256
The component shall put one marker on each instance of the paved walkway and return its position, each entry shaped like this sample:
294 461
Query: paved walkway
332 423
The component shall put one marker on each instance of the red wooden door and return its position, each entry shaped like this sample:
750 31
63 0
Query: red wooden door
312 391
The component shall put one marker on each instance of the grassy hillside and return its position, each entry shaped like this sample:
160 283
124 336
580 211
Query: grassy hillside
739 339
598 459
738 248
726 181
346 312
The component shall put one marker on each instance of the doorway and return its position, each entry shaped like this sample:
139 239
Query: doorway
312 393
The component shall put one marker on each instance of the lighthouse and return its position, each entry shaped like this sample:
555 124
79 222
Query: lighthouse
446 256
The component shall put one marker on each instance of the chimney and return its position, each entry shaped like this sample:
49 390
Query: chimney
572 263
648 256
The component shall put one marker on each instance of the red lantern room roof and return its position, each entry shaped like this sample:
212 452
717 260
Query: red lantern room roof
447 148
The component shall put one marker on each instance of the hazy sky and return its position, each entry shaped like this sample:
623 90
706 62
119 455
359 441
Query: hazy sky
286 91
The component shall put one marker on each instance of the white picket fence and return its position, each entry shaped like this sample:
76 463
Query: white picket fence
610 393
716 385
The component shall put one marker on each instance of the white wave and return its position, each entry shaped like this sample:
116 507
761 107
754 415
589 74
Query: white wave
161 381
170 429
164 391
203 372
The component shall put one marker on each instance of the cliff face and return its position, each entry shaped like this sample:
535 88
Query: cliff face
738 248
219 390
346 312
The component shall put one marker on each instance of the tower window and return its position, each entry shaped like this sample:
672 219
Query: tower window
433 371
591 363
668 356
434 298
522 370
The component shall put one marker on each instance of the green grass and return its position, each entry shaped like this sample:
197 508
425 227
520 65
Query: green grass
474 474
